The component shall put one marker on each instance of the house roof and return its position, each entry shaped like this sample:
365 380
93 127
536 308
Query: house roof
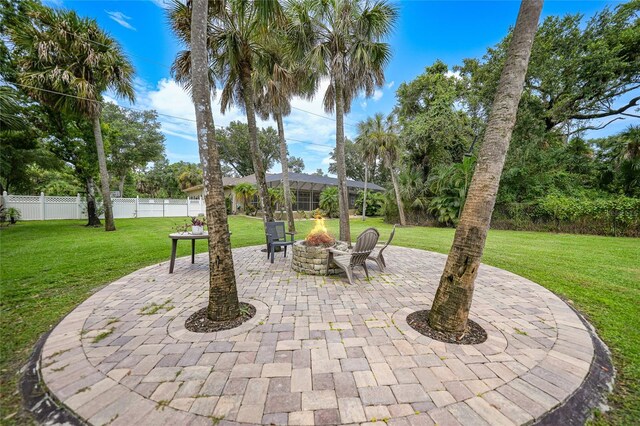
293 177
321 180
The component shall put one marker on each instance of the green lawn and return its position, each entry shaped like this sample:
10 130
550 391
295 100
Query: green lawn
48 268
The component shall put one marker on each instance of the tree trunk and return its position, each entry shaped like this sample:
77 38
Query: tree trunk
109 224
396 189
364 196
223 294
121 184
452 302
284 161
343 194
92 213
256 153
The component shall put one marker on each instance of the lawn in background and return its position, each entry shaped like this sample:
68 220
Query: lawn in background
48 268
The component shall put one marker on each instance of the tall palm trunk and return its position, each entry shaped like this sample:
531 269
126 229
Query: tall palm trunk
92 211
109 224
343 194
256 154
223 294
452 302
396 189
364 197
284 161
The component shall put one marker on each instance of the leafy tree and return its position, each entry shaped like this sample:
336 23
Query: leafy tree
342 40
355 166
133 139
296 164
620 162
578 70
21 141
450 309
235 149
329 202
61 52
190 176
162 180
223 294
70 141
319 172
434 129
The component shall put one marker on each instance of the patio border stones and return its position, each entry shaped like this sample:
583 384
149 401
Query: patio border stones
538 357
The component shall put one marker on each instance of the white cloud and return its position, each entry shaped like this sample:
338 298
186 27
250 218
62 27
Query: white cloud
377 94
309 136
121 19
53 3
390 84
161 3
454 74
363 104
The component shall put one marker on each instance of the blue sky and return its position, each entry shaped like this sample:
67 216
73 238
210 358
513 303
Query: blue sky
426 31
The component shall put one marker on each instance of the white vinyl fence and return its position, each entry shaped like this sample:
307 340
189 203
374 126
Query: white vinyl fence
42 207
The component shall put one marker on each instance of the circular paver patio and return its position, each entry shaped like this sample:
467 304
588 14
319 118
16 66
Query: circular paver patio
318 351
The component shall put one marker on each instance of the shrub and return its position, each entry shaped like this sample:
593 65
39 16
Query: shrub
329 201
375 201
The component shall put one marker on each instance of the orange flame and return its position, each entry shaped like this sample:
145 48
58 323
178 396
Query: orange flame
319 235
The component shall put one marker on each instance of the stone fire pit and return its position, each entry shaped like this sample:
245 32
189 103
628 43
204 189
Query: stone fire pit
313 260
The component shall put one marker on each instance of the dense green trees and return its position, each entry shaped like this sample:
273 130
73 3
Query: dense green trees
132 138
235 147
583 75
66 62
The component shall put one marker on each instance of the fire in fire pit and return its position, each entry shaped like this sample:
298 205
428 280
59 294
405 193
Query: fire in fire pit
319 235
311 256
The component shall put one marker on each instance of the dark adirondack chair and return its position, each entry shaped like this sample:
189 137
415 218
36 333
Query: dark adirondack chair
365 243
377 256
277 237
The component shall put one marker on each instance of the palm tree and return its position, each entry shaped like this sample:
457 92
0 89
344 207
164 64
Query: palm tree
452 302
223 294
369 150
383 133
237 31
341 39
245 190
67 62
276 81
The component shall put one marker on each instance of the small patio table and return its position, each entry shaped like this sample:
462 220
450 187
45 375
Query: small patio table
184 236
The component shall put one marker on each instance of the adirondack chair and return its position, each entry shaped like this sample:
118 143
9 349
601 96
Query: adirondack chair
277 237
377 256
346 261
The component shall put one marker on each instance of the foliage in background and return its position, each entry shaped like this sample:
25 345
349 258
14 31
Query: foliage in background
233 143
449 185
375 201
329 201
132 140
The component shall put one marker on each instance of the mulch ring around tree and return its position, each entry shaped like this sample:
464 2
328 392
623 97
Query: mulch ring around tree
200 323
473 335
